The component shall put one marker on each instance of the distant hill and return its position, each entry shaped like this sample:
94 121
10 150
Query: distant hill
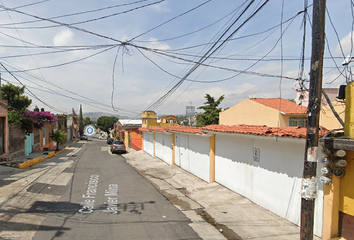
95 115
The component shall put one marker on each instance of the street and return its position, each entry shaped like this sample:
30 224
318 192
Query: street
100 196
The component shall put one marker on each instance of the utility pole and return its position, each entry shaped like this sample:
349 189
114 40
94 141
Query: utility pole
309 180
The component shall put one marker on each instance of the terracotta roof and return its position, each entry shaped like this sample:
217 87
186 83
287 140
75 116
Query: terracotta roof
143 129
158 129
280 104
295 132
186 129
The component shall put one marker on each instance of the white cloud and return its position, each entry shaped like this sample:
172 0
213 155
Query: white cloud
162 7
345 43
157 45
63 37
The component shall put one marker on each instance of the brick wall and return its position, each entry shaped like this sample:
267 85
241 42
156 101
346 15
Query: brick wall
16 141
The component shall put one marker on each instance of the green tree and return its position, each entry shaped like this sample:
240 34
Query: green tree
81 122
211 111
17 102
87 121
105 123
58 137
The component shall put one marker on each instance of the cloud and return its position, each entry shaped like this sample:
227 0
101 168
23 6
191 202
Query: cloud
63 37
162 7
345 43
157 45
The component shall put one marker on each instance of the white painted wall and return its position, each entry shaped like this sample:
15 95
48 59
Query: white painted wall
199 156
274 182
177 149
148 142
158 144
163 146
167 148
192 154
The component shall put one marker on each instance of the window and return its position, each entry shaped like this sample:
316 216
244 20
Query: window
297 121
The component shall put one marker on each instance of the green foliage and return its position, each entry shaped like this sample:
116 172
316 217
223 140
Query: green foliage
14 117
14 95
58 137
211 111
87 121
105 123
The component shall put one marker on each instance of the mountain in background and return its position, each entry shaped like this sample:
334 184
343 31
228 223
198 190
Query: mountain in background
95 115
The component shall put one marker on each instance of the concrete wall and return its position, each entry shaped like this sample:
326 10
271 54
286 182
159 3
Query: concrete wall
148 145
192 154
273 181
163 147
266 170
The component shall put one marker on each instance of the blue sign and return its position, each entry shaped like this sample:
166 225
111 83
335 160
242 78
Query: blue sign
90 130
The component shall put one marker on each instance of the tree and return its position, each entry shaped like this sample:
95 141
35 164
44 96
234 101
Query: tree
106 123
17 102
211 111
14 95
87 121
81 122
58 137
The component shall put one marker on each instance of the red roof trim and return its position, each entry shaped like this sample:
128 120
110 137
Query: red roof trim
293 132
186 129
143 129
158 129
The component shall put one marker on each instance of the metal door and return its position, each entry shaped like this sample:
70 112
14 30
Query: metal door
28 144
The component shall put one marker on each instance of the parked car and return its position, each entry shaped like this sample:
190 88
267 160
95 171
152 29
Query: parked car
118 147
110 140
83 137
102 137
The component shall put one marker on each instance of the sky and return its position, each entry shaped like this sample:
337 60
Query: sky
126 57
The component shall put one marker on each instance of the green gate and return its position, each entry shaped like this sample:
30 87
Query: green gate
28 144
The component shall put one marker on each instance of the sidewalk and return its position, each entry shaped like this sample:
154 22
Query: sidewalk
17 160
231 215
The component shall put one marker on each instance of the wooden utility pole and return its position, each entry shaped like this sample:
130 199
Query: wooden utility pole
309 180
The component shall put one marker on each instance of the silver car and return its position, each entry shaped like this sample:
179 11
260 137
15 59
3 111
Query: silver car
118 147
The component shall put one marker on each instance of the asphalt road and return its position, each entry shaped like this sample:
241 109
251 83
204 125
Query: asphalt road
107 199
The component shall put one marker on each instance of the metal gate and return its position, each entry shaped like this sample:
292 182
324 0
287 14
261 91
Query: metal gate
28 144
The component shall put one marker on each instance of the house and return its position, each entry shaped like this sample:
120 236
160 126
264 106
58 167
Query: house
327 118
127 131
150 119
46 142
272 112
167 121
3 128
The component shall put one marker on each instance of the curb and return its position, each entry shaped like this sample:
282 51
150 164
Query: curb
32 162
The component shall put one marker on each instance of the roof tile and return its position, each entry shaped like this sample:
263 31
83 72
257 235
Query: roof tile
158 129
294 132
280 104
143 129
186 129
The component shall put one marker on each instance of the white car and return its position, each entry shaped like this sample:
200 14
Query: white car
102 137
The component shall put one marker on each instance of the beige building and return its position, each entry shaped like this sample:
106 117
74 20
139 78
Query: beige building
272 112
327 118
